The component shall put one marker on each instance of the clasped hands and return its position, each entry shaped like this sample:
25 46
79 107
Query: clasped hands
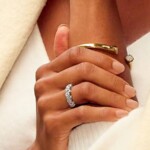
98 91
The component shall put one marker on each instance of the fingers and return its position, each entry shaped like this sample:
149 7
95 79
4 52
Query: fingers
60 45
78 55
61 40
80 115
86 93
83 114
91 73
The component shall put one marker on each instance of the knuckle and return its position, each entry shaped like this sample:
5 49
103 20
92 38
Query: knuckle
86 68
44 85
115 81
38 73
75 53
41 105
87 89
112 97
41 71
38 87
80 113
101 59
106 62
48 81
107 114
117 100
52 124
120 101
104 112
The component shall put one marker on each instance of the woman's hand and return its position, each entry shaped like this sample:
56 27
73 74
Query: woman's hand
100 95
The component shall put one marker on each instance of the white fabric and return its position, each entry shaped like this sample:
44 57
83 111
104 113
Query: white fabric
17 101
17 105
17 19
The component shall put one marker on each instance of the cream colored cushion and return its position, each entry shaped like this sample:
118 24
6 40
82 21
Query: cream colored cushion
17 101
17 19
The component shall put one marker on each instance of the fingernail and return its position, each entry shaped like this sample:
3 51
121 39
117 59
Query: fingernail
131 103
62 25
121 113
118 67
129 91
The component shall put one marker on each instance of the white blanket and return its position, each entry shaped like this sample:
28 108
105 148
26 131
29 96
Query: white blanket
17 101
17 19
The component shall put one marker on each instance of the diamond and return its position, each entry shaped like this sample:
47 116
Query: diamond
129 58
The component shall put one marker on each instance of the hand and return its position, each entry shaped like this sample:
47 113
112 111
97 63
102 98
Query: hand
96 89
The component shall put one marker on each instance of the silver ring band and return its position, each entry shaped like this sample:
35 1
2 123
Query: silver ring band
68 95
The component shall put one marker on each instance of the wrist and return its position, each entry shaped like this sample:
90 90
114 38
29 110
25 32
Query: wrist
34 146
94 2
91 5
98 22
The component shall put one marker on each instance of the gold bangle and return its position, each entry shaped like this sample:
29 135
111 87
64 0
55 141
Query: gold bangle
97 46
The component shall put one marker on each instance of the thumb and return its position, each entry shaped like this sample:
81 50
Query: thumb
61 42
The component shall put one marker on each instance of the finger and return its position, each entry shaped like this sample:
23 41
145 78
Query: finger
88 114
78 55
84 114
87 93
91 93
61 40
60 45
91 73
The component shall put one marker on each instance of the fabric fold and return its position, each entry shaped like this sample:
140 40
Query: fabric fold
17 19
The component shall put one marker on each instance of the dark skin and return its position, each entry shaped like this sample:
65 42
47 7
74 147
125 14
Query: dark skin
135 19
132 28
96 25
93 75
55 13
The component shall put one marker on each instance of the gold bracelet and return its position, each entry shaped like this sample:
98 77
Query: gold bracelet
97 46
108 48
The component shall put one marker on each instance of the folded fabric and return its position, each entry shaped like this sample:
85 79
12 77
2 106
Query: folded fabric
17 100
17 19
130 133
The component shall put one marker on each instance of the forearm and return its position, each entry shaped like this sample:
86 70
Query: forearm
49 20
98 22
98 19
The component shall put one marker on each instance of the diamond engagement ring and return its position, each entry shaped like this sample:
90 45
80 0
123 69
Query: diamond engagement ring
68 95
